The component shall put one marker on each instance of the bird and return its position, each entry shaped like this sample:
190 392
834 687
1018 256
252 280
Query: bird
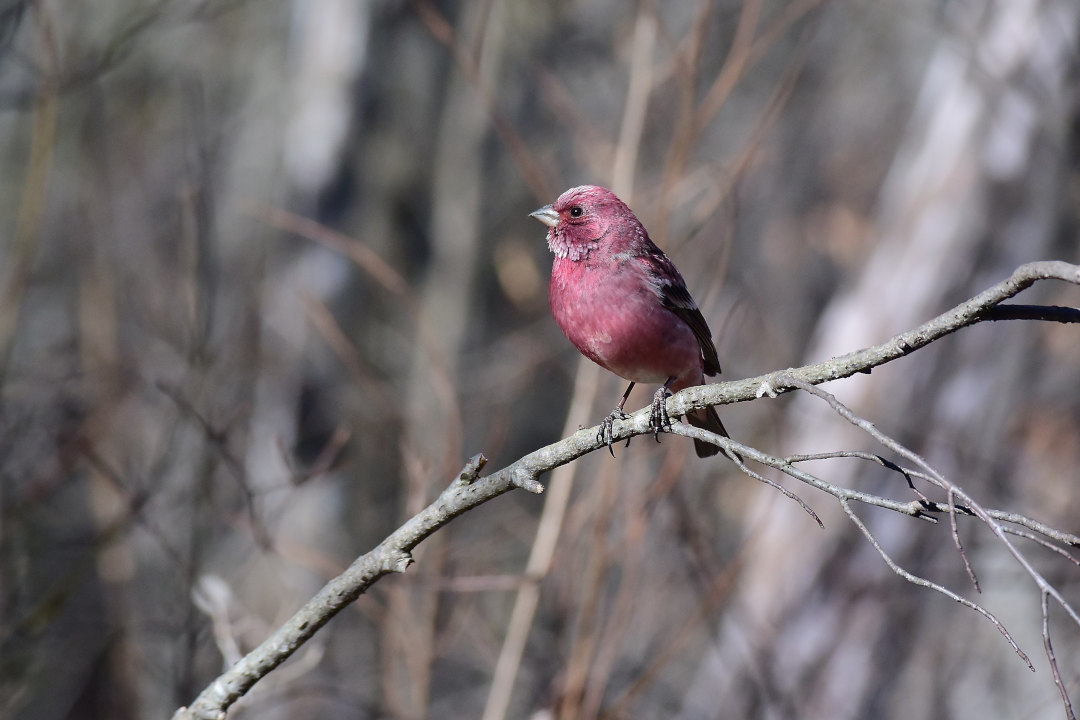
622 302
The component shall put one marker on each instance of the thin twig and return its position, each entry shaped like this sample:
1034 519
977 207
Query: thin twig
441 29
912 508
956 541
1046 589
923 582
932 506
872 457
939 480
1045 543
1069 714
783 490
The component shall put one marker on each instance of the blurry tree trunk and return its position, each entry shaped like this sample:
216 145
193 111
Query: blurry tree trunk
975 189
432 448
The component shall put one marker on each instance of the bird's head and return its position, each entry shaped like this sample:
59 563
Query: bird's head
583 219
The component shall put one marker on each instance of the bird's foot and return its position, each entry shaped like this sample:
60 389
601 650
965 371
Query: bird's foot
659 420
604 434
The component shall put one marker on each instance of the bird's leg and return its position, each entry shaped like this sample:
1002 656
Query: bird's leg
658 418
604 435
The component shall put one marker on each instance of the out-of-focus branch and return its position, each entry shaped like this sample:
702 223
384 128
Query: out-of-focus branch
441 29
15 278
469 490
382 273
394 554
542 554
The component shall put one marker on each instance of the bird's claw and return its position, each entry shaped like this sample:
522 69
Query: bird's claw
659 420
604 435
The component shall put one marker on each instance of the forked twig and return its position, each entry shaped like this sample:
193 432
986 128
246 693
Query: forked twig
923 582
958 544
935 477
1046 589
1045 543
783 490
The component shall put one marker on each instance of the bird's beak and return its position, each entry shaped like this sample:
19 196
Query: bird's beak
546 215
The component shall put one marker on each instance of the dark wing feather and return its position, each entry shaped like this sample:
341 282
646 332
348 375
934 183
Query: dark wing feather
672 291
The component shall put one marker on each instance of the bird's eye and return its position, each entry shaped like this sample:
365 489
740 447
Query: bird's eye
576 211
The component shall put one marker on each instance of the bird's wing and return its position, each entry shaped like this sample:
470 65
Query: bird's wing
671 288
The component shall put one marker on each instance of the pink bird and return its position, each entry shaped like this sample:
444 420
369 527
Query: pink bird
621 302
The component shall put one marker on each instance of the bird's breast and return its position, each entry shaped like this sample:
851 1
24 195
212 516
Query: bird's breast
611 313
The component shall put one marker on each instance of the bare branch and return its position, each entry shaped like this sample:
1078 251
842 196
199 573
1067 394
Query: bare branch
468 489
923 582
863 361
1046 589
941 482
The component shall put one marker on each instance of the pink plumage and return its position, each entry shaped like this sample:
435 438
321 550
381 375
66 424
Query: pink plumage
623 304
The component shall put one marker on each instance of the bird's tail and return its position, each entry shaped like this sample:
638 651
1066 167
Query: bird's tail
706 419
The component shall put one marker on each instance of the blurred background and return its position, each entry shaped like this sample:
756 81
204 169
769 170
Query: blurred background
267 279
